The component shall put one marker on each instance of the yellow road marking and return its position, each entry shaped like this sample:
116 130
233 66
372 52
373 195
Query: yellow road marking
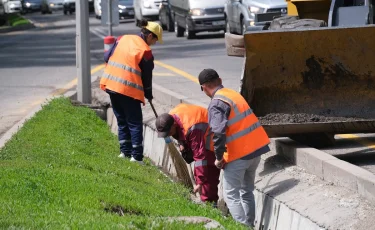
360 140
164 74
177 71
75 81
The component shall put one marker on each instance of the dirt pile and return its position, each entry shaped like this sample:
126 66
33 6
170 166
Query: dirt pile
281 118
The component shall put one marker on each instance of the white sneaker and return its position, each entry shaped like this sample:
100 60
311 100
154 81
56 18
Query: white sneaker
122 155
134 160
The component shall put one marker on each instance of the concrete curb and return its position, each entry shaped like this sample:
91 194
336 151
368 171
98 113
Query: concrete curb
328 167
17 28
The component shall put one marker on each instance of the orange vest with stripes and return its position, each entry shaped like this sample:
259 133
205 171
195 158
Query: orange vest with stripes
191 117
122 73
244 133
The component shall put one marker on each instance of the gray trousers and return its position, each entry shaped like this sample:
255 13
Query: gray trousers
238 186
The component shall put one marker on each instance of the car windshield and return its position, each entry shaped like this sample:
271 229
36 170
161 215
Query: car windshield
128 2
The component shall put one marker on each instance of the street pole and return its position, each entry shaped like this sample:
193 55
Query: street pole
83 52
109 17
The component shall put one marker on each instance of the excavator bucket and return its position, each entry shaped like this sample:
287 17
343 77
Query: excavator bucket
322 72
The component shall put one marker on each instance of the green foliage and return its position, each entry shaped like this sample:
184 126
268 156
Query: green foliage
61 171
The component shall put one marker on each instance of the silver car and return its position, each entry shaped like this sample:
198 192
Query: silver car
240 14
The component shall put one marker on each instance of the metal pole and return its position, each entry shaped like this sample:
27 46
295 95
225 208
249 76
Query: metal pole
83 52
109 17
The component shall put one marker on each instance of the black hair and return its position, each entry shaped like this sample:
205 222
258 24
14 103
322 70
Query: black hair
145 31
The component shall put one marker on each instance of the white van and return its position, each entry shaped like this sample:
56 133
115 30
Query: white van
193 16
12 6
146 9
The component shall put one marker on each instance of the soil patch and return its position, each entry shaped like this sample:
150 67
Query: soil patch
280 118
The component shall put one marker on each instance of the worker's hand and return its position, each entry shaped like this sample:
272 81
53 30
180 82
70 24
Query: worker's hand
219 164
197 188
182 148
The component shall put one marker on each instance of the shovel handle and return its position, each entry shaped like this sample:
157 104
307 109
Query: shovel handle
153 108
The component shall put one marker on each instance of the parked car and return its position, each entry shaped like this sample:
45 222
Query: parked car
45 9
165 16
125 8
239 14
12 6
70 6
2 14
56 5
146 9
193 16
29 6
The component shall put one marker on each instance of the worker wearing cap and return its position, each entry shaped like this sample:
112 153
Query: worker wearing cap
238 142
127 79
188 124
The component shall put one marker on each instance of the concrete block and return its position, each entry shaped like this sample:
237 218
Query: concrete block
366 186
166 96
340 173
110 116
114 127
308 158
285 219
157 149
148 141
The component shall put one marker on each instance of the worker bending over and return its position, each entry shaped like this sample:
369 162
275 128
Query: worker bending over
188 124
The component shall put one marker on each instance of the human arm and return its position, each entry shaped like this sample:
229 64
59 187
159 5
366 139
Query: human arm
147 66
218 118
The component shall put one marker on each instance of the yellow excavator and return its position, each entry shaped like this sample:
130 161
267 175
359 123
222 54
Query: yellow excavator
311 74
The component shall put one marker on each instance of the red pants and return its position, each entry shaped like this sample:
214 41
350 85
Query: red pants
209 191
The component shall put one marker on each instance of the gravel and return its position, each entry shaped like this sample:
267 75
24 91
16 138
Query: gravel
281 118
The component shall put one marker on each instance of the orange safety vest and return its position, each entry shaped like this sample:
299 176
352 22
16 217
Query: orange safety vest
244 133
122 73
191 117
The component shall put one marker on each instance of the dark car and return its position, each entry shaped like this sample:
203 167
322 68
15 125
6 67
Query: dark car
70 6
125 9
29 6
165 16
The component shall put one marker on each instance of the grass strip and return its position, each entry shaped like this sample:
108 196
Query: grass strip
61 171
16 20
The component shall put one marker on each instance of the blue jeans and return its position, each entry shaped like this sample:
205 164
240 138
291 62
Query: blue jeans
130 124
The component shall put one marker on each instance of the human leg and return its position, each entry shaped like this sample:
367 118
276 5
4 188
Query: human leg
233 178
119 110
247 189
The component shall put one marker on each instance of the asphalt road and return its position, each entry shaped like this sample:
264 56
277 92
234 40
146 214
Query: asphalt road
35 64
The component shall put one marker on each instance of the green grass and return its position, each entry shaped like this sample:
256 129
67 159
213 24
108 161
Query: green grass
16 20
61 171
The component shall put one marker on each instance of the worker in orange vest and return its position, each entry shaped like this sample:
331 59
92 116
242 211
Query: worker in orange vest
127 79
188 124
238 142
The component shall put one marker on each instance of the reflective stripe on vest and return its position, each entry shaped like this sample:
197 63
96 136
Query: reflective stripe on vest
124 67
244 133
201 126
122 73
122 81
200 163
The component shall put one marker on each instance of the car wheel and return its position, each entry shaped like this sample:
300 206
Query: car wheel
243 27
170 26
189 33
179 31
70 11
65 12
227 26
